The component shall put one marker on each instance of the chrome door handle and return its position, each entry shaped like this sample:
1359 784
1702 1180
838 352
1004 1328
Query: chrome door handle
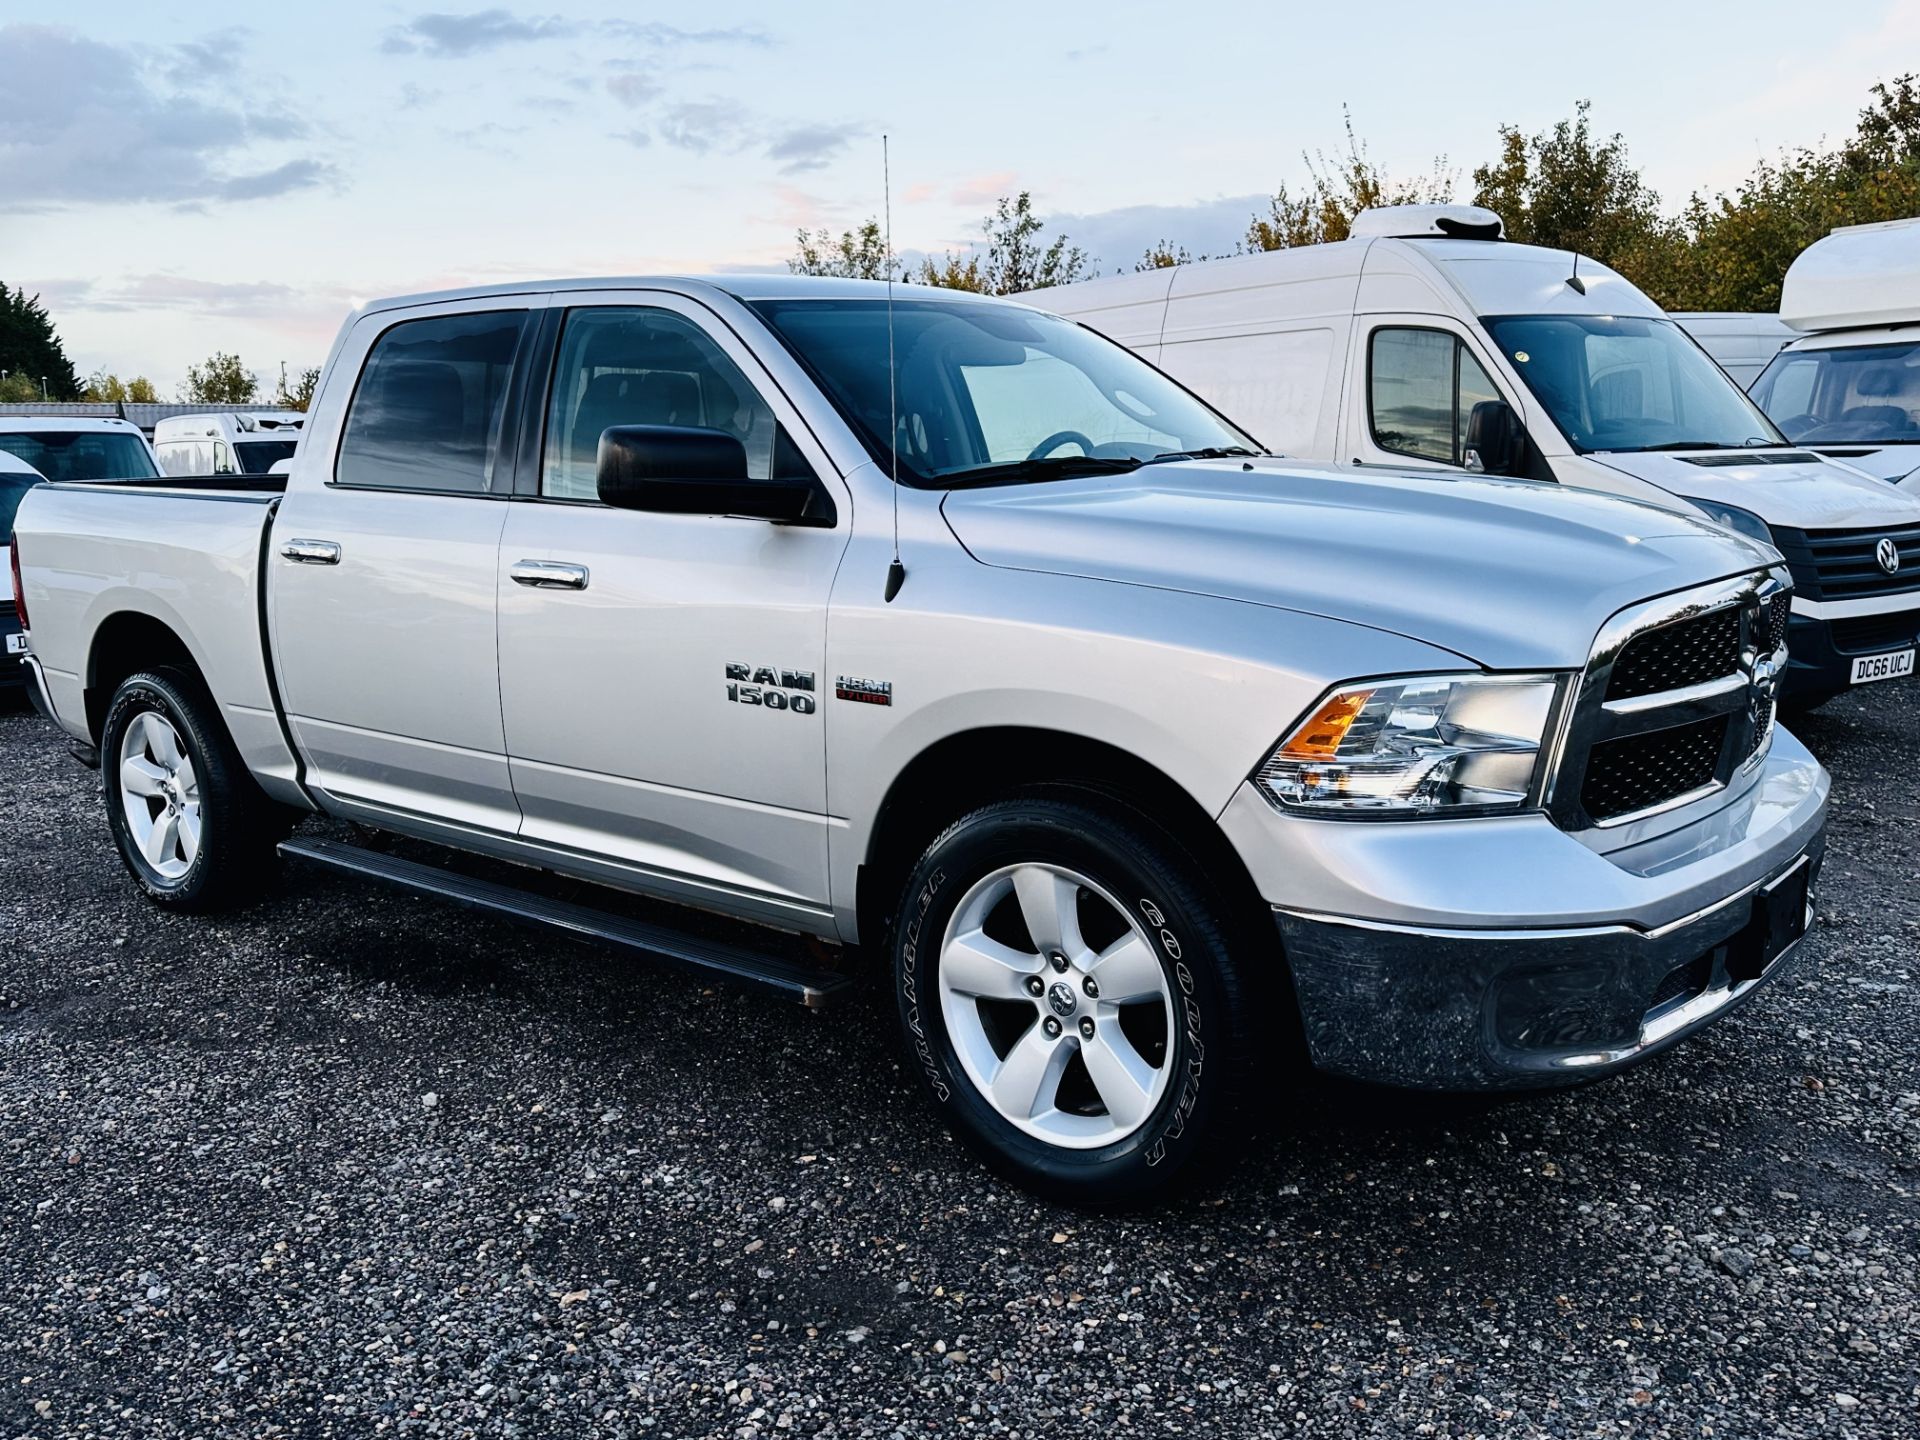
311 552
549 575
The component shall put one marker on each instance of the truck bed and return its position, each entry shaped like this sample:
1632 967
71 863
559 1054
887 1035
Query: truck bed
108 559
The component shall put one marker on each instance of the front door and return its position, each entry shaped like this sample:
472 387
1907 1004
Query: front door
663 676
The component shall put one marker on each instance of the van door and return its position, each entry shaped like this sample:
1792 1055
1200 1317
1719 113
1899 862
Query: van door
662 676
1415 381
382 577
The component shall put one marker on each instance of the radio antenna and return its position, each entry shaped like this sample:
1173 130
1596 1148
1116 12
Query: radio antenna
896 572
1579 286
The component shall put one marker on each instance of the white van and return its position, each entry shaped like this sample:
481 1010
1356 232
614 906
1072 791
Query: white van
1427 342
240 442
1742 343
78 447
1849 384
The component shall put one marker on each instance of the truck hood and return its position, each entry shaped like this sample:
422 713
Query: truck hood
1507 574
1816 495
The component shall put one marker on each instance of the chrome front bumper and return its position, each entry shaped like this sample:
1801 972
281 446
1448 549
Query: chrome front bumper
1477 955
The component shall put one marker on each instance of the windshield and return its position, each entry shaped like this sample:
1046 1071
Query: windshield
257 457
82 454
1860 392
992 392
13 489
1626 383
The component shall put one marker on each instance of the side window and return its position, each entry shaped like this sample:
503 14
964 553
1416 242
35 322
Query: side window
1422 386
222 461
635 365
426 413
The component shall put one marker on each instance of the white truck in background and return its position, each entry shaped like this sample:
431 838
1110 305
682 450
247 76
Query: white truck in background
237 442
1428 342
79 447
1742 343
1848 386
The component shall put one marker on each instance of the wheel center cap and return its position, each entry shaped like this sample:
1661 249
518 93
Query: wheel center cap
1060 998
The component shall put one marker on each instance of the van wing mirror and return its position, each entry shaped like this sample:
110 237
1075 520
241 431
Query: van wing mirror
690 470
1495 444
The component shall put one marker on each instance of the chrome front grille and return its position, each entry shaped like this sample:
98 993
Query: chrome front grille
1677 700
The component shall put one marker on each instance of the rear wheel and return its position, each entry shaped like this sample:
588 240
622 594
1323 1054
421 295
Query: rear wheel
190 824
1071 1000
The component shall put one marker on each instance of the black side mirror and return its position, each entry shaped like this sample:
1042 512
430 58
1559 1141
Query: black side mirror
1495 445
690 470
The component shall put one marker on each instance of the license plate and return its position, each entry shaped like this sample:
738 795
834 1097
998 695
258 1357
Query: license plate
16 644
1779 919
1890 666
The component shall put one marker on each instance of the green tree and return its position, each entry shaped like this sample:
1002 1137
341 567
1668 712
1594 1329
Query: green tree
223 380
858 254
1339 188
1565 189
18 389
31 353
104 387
141 391
1020 255
298 395
1164 255
1742 243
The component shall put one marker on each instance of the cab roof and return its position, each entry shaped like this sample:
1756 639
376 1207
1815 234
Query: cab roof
745 286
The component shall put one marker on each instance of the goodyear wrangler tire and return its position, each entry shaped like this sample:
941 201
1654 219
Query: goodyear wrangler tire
1069 998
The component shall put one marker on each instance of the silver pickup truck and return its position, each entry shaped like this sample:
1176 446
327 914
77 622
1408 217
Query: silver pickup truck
945 628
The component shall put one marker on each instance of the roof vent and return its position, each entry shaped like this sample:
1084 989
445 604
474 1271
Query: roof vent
1428 222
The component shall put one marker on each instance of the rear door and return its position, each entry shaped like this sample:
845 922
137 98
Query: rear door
382 578
663 690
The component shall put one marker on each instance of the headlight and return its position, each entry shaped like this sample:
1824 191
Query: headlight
1734 518
1437 745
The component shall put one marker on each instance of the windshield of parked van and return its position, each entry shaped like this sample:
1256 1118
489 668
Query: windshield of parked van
994 393
13 489
82 454
1856 393
258 457
1615 382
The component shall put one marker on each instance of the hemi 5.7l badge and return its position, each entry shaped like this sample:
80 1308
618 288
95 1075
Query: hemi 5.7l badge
863 692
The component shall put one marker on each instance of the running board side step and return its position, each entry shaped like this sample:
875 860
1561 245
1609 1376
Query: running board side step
812 987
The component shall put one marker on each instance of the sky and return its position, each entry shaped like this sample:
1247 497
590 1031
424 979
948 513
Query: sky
180 179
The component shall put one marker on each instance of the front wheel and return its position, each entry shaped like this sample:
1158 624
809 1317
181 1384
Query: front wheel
191 826
1071 1000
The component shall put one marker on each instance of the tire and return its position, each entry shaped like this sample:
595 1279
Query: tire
206 841
1135 1091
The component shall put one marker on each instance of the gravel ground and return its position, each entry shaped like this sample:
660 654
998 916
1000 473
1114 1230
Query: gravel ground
352 1164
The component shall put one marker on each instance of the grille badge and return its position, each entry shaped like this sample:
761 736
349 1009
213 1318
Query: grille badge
1887 556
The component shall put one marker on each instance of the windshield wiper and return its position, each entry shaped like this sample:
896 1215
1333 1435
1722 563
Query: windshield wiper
1681 445
1052 467
1210 452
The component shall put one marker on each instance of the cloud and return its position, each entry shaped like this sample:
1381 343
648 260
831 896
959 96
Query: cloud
633 89
809 147
984 189
196 60
446 36
165 291
1120 237
702 126
81 122
294 175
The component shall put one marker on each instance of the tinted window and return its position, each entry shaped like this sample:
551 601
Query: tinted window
257 457
426 414
82 454
13 489
1423 386
981 387
623 365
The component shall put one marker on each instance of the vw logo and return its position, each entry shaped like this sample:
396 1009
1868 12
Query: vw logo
1060 997
1887 556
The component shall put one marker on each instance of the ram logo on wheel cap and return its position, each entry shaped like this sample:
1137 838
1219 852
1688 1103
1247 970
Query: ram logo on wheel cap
1887 556
1061 998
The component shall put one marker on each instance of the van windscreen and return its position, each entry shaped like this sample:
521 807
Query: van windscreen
82 454
1628 382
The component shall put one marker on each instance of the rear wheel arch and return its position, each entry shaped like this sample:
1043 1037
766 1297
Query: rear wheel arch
126 643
